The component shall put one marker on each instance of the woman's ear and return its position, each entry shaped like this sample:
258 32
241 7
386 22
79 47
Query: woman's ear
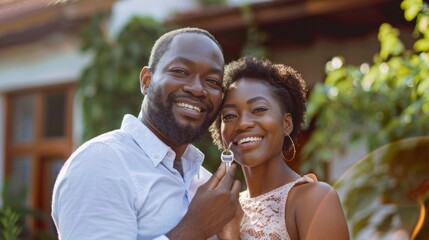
145 78
287 123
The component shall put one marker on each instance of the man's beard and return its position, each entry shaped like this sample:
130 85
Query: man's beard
161 116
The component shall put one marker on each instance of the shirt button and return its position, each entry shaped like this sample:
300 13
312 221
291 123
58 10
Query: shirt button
156 156
169 154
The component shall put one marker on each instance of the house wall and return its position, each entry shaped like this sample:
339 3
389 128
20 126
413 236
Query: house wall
122 11
53 60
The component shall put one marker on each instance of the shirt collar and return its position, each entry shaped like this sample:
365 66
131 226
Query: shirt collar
153 146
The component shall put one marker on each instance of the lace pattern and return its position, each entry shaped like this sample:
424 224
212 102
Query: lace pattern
264 215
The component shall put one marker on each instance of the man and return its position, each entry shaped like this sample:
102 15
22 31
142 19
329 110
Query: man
137 182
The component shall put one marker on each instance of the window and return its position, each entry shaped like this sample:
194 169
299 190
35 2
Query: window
38 141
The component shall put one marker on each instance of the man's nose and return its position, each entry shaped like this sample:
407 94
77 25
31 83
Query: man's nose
195 87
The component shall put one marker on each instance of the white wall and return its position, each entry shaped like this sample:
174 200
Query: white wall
341 163
124 10
54 60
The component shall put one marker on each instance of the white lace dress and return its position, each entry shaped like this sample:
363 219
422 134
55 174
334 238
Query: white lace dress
264 215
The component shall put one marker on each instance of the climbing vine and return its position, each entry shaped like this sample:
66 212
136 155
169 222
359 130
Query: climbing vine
109 86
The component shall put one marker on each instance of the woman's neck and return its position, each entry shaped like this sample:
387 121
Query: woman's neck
268 176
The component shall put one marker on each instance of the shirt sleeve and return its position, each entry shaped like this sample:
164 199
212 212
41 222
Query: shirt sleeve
94 197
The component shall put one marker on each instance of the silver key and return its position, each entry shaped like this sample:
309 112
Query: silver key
227 156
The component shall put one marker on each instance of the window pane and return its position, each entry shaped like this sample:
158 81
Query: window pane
20 178
19 190
54 168
55 110
23 118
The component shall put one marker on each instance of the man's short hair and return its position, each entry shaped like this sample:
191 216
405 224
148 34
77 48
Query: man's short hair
163 43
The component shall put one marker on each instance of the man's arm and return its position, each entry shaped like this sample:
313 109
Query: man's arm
93 199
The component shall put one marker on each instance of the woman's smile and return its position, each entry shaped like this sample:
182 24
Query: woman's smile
248 143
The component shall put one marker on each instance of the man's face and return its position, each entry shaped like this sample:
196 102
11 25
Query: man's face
185 91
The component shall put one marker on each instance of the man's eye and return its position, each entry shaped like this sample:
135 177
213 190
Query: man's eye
179 72
214 82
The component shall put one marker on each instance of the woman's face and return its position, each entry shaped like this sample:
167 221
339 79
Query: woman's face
253 120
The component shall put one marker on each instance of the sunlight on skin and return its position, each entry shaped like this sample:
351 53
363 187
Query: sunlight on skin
311 230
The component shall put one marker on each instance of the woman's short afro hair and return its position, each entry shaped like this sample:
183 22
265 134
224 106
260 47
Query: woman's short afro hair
288 87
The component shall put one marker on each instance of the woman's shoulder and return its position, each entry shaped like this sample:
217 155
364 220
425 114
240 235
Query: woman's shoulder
313 191
313 204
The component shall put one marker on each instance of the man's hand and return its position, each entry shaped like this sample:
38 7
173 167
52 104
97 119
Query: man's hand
231 231
213 206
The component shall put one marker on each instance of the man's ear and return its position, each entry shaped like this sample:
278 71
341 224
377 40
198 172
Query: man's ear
145 77
287 124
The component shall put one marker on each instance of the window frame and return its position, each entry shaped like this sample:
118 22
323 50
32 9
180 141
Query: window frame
42 151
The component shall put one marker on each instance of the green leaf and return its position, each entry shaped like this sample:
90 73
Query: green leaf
422 45
360 224
411 8
423 24
386 223
317 100
390 43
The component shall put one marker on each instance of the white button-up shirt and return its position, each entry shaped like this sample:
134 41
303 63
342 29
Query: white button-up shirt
122 185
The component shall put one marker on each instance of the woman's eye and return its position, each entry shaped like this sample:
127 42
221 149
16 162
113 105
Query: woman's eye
227 117
259 109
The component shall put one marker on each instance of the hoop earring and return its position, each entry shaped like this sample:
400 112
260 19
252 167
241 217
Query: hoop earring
294 151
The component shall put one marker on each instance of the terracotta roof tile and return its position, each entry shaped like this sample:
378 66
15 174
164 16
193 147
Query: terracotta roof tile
13 9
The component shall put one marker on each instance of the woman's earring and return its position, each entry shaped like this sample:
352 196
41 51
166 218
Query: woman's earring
294 150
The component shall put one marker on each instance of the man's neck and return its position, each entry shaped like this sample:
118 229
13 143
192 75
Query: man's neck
179 149
178 166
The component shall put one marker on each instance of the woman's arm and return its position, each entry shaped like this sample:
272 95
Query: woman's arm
319 214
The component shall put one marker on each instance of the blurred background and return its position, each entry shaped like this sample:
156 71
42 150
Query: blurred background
69 71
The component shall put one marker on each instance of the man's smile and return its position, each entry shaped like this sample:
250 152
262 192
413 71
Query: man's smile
189 106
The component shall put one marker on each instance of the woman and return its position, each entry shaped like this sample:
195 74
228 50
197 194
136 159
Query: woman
262 115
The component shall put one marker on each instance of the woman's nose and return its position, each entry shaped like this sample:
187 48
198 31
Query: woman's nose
245 121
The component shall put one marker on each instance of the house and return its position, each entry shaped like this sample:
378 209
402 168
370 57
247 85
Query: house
40 62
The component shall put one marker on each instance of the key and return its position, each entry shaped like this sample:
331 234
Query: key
227 156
